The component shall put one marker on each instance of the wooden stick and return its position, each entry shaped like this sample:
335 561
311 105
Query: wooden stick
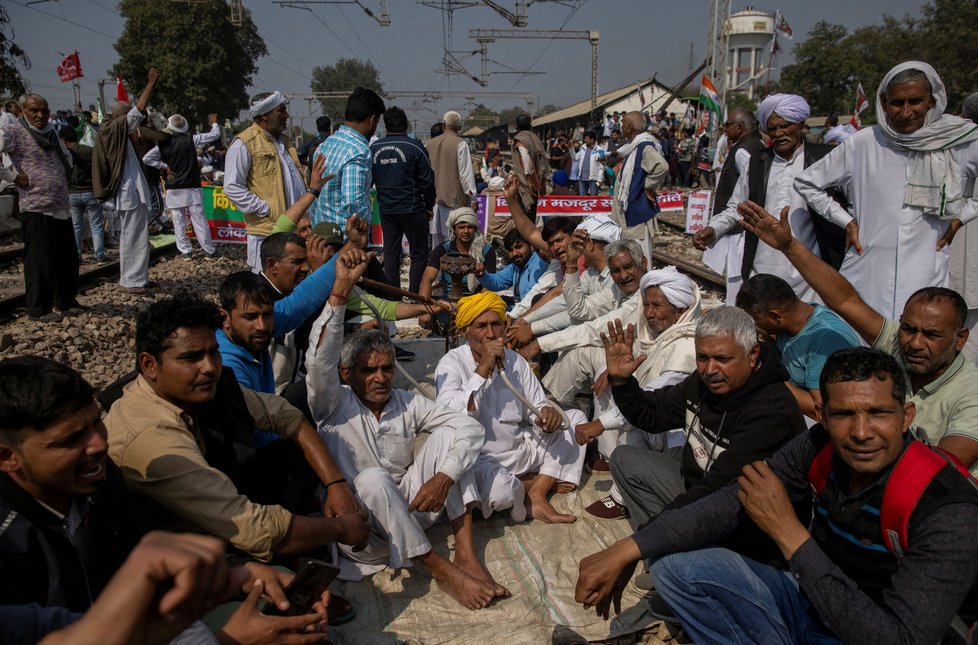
383 286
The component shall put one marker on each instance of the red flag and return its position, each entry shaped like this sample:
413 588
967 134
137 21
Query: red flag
120 90
861 104
69 68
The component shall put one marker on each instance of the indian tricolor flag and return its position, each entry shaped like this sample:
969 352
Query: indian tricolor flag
710 98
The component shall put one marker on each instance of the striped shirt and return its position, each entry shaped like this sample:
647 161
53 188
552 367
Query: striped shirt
348 193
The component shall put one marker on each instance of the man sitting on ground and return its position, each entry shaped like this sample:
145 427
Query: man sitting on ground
843 583
69 519
734 410
520 461
806 334
926 341
372 430
183 434
522 272
666 331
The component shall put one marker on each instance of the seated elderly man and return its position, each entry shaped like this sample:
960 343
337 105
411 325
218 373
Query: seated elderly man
850 577
372 429
734 410
666 328
806 333
183 435
520 461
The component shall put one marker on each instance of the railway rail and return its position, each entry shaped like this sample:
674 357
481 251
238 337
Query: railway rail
87 278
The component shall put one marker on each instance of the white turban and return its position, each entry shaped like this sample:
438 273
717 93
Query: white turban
934 181
790 107
678 289
177 124
600 228
463 215
497 183
266 105
839 133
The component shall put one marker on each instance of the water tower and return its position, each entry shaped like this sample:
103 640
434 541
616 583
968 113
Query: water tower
749 35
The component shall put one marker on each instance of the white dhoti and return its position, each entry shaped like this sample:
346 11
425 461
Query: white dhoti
397 535
576 370
438 224
497 471
134 247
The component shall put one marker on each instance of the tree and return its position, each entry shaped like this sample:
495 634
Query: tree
206 64
344 76
11 55
947 30
509 115
481 116
549 108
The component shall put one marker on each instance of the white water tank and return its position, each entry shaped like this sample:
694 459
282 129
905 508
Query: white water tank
749 32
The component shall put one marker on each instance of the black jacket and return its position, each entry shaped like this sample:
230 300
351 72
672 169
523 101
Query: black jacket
39 564
831 238
180 155
727 179
734 430
403 176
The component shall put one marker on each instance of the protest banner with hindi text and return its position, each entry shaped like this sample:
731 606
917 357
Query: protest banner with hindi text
697 210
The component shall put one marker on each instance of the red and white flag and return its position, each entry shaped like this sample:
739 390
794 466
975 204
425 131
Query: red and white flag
782 25
861 104
69 68
120 90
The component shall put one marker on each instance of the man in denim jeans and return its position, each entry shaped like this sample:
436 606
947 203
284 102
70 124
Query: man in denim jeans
82 199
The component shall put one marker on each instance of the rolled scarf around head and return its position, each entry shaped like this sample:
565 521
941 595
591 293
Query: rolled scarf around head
600 228
266 105
471 307
790 107
465 215
934 181
839 133
678 289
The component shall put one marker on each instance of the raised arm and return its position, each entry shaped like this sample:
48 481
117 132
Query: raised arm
154 75
527 229
836 292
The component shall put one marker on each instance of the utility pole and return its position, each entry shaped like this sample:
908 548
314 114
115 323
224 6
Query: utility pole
718 42
483 36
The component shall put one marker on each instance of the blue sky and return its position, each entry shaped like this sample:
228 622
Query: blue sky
638 38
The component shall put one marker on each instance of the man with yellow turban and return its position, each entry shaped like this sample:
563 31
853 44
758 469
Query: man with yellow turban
523 459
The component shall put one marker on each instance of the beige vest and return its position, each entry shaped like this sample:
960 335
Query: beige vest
443 151
265 178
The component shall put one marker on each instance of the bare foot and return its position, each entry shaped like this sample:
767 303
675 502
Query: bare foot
565 487
540 508
468 591
477 570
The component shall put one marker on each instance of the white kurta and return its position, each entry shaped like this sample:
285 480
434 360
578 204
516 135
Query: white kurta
727 253
589 333
899 243
580 296
547 281
780 193
377 457
514 445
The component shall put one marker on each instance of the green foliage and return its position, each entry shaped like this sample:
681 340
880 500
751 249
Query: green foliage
948 31
11 56
345 75
481 116
206 64
549 108
508 115
737 100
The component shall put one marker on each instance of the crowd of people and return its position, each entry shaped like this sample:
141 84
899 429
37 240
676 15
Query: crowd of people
796 465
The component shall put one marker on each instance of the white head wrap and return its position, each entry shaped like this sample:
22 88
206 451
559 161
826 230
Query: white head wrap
177 124
934 182
266 105
678 289
465 215
600 228
496 183
206 170
790 107
839 133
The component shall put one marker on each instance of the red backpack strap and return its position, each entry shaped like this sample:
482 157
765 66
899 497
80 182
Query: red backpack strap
911 475
821 466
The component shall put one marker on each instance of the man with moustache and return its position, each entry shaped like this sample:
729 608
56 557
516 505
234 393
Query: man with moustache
768 181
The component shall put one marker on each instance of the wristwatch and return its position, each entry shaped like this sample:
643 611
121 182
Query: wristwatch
314 192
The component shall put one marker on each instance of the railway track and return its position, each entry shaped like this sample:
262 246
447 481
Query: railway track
87 278
697 270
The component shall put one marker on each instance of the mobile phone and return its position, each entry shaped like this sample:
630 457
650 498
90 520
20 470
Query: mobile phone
306 588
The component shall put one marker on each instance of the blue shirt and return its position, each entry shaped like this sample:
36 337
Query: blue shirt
805 353
521 279
348 193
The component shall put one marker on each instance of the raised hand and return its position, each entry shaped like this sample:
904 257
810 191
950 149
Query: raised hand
316 179
704 238
618 352
511 188
356 231
773 232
